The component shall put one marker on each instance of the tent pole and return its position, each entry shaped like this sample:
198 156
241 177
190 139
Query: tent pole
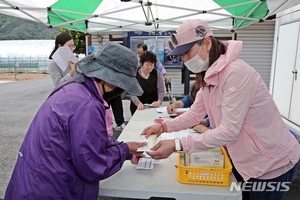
86 44
233 30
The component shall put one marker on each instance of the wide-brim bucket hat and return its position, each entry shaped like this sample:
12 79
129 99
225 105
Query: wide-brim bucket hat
114 64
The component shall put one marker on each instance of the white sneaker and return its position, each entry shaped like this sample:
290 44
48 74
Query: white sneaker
120 128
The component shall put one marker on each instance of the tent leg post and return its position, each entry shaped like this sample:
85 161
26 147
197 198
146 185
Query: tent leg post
86 44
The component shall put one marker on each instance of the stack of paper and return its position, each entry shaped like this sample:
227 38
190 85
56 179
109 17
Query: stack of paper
63 56
145 163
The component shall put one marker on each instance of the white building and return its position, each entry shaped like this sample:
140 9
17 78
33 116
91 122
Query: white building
285 79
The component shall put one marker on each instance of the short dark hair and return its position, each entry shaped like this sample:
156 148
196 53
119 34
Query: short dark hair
148 56
142 45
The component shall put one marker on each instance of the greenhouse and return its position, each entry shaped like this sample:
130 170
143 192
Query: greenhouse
25 55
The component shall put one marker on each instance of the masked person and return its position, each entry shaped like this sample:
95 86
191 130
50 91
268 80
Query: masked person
67 151
243 116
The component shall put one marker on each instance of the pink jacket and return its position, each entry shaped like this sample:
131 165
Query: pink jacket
243 117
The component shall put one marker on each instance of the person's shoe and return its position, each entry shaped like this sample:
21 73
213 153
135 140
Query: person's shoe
120 128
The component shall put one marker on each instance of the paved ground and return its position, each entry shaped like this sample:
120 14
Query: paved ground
19 101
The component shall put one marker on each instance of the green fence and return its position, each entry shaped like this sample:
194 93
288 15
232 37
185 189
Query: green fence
24 64
21 65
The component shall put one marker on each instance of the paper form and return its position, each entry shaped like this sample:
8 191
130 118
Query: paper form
145 163
63 56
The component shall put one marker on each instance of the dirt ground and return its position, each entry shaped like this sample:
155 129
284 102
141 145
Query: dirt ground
21 77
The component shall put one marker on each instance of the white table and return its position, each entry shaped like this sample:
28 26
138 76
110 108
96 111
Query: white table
160 181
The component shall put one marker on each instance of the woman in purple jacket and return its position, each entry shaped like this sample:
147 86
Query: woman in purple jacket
67 151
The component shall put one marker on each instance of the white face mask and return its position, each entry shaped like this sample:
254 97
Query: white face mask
196 64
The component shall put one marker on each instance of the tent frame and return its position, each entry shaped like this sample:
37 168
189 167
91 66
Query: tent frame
149 17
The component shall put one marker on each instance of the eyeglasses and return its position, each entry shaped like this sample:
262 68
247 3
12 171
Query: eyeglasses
72 47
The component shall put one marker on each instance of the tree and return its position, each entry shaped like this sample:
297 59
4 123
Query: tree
12 28
79 39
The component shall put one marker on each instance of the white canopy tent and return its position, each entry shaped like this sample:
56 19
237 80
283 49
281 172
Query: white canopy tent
99 16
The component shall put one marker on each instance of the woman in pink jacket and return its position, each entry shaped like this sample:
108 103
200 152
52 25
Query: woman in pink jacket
243 115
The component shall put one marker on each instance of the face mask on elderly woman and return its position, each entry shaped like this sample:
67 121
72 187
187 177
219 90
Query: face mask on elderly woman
111 94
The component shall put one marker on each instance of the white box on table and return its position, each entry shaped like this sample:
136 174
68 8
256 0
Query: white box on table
211 159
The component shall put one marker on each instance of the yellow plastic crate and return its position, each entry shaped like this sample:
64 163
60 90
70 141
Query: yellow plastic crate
205 176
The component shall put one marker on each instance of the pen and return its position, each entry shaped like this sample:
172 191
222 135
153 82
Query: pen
173 162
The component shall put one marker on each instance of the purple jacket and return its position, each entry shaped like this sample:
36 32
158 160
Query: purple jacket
67 151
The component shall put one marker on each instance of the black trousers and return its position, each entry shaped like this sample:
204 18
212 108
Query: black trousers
117 108
133 108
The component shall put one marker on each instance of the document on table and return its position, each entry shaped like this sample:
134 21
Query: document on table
179 134
147 105
164 109
161 110
63 56
145 163
181 109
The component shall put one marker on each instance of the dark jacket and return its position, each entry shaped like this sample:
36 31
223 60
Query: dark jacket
149 87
